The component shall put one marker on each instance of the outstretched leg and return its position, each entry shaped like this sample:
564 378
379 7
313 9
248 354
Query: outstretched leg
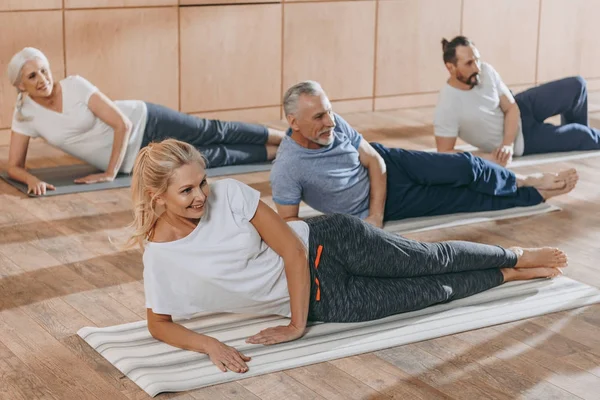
360 272
221 155
447 169
355 298
361 249
548 138
162 123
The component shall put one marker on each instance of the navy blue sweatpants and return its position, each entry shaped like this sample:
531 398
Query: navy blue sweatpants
422 184
222 143
565 97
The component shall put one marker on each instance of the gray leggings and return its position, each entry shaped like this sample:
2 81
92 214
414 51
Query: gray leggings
360 273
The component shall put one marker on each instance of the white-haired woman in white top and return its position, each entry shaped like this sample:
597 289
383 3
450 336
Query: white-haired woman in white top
74 116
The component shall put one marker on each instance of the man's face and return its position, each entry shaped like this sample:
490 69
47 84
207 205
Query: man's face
314 119
468 65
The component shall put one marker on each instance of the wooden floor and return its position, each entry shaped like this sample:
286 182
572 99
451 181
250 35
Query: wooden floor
59 272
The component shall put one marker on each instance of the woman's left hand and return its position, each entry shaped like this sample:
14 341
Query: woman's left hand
96 178
278 334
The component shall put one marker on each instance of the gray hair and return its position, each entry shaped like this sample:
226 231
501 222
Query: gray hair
290 99
15 66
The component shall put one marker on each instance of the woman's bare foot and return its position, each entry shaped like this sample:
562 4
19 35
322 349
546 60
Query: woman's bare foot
540 257
275 136
271 151
548 194
548 181
524 274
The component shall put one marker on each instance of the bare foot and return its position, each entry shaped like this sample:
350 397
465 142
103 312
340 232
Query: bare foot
275 136
271 152
548 181
524 274
540 257
570 185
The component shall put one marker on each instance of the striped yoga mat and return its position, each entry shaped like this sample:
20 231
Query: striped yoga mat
157 367
451 220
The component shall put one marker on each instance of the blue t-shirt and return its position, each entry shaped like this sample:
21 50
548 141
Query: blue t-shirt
330 179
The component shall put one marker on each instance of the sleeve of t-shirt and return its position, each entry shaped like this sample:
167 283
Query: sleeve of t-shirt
499 83
445 119
285 188
81 88
243 199
354 136
23 127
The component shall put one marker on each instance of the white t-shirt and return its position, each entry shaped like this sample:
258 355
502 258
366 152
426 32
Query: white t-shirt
223 265
77 131
475 115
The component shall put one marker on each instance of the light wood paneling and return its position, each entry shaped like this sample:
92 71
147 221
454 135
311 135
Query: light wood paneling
568 39
253 115
4 137
126 53
351 106
204 2
506 35
117 3
12 5
332 43
234 67
39 29
409 50
406 101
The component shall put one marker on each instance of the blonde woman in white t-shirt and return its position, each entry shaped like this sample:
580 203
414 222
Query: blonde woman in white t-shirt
76 117
219 248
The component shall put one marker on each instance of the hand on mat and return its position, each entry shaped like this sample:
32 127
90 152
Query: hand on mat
39 187
277 334
96 178
227 358
375 221
503 155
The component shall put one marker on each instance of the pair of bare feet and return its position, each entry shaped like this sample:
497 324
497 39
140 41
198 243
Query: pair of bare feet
550 184
543 262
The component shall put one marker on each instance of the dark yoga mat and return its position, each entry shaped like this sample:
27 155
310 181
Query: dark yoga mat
62 177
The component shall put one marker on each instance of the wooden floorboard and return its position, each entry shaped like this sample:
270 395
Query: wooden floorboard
62 267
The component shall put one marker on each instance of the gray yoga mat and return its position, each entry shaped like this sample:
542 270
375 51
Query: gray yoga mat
62 177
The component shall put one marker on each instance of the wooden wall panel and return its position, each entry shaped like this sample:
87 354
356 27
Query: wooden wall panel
506 35
568 39
126 53
204 2
252 115
13 5
409 50
117 3
332 43
39 29
236 67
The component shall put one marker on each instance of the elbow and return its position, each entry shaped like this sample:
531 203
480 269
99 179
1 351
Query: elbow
126 126
298 254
